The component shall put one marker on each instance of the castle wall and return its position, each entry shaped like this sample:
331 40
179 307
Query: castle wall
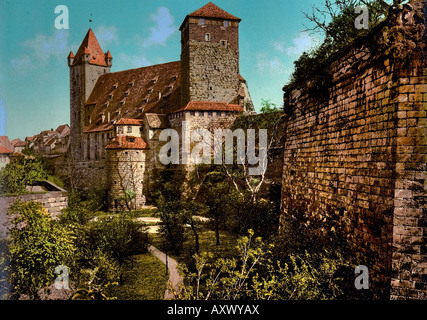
126 171
356 148
54 201
211 71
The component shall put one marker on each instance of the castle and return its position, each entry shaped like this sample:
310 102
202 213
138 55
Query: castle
116 118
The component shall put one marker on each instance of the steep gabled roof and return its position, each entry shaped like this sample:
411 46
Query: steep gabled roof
131 93
90 46
211 10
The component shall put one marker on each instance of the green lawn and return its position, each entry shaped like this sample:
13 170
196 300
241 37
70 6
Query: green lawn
145 280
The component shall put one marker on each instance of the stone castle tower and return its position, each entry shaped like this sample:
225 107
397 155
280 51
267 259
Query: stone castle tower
85 68
116 117
209 55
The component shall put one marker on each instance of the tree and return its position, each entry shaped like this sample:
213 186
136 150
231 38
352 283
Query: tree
268 106
37 246
20 172
253 275
335 20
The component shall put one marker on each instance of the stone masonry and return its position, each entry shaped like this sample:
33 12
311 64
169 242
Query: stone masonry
356 147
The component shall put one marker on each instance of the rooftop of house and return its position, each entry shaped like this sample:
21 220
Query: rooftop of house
127 142
4 150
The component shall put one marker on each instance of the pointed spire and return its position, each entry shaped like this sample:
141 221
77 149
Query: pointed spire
71 55
91 47
108 55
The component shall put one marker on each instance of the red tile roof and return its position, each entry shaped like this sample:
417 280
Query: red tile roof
130 122
211 10
90 46
212 106
139 90
4 150
125 142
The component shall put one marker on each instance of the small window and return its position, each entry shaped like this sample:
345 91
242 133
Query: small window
150 90
129 129
201 22
120 129
226 23
207 37
209 113
192 113
201 113
224 42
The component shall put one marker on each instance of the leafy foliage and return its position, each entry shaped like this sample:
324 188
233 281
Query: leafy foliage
268 106
37 246
19 173
335 20
253 275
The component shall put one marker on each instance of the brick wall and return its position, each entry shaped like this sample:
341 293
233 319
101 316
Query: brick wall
356 146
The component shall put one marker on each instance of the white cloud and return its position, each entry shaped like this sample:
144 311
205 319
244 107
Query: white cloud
44 47
279 46
302 42
106 35
270 65
164 28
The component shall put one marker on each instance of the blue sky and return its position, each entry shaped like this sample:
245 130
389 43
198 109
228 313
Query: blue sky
34 75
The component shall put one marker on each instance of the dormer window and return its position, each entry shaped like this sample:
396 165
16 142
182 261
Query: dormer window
201 22
150 90
144 100
207 37
226 23
115 86
224 42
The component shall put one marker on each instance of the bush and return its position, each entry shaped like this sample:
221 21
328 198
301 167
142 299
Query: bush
37 246
19 173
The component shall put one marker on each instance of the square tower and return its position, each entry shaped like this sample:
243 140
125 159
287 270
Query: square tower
209 55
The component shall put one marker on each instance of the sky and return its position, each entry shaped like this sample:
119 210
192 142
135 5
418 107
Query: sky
34 75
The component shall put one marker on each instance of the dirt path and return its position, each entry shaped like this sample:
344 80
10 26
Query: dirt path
174 276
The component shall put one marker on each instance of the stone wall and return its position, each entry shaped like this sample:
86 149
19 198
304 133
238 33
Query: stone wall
356 148
54 200
127 171
210 72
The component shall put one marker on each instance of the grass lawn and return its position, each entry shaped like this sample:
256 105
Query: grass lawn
145 280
